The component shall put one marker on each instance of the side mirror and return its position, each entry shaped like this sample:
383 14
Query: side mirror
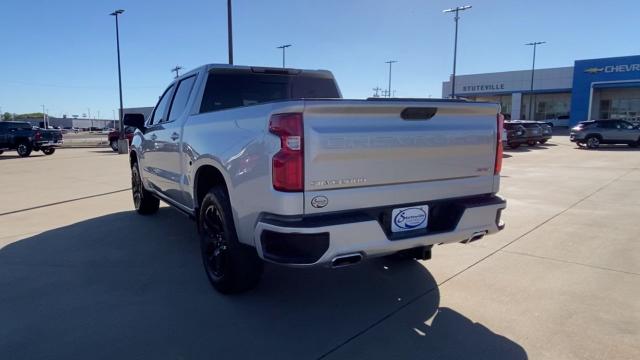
135 120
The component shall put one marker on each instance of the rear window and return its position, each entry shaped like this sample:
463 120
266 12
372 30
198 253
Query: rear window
16 126
225 90
530 125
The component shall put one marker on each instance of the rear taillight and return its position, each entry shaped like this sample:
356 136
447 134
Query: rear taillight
38 136
498 166
288 163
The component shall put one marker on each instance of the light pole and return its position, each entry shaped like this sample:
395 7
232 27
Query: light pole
230 32
283 47
390 62
533 70
455 44
123 145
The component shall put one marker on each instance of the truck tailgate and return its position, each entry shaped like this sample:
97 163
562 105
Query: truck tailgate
390 144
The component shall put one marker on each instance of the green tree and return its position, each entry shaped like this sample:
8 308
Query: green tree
6 116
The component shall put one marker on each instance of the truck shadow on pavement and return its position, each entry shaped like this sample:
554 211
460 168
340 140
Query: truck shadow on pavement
127 286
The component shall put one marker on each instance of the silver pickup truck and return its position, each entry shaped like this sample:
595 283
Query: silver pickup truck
274 166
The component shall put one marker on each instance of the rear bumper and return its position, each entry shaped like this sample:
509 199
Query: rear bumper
318 239
49 144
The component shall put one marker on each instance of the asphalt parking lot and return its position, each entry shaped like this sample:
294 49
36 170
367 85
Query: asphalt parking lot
82 276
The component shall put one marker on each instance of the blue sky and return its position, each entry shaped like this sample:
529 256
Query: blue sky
62 53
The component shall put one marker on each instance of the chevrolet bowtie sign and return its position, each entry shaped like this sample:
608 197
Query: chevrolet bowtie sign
613 69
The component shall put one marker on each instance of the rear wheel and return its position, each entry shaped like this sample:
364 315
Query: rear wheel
593 142
1 151
48 151
144 202
514 145
114 145
231 267
24 149
531 143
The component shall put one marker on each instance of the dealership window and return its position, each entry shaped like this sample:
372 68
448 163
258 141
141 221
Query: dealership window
503 100
547 106
618 104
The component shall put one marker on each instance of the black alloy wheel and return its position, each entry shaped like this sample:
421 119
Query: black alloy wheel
214 243
24 149
144 202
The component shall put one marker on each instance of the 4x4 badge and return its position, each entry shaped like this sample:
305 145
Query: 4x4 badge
319 201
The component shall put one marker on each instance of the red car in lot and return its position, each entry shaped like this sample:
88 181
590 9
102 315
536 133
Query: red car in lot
115 135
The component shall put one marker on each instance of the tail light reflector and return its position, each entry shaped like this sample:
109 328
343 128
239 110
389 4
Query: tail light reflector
288 163
500 123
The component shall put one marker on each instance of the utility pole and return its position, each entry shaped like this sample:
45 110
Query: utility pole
230 32
533 70
44 118
176 70
390 62
283 47
455 44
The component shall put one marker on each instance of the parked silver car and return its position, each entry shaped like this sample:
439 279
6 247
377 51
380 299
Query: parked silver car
596 132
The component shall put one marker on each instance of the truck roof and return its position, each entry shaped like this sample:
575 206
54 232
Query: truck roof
258 69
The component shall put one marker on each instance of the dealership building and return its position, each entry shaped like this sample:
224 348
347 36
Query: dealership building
606 88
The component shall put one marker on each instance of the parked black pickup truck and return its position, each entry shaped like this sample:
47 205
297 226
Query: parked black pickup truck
24 138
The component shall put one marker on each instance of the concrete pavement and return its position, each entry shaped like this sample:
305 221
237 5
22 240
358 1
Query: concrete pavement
88 278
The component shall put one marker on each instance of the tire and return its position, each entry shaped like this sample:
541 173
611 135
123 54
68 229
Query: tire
231 267
543 141
532 143
1 151
593 142
114 145
144 201
24 149
48 151
514 146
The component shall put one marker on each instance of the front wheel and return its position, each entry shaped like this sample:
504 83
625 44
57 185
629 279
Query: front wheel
1 151
48 151
114 145
231 267
24 149
543 141
514 145
531 143
144 202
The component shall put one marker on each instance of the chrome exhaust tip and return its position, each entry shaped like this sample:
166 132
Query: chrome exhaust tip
346 260
475 237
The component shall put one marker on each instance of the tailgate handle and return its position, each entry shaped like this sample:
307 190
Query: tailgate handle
418 113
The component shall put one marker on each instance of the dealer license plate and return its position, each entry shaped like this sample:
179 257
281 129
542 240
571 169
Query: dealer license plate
409 218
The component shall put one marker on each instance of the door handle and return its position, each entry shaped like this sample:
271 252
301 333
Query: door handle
175 136
154 137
